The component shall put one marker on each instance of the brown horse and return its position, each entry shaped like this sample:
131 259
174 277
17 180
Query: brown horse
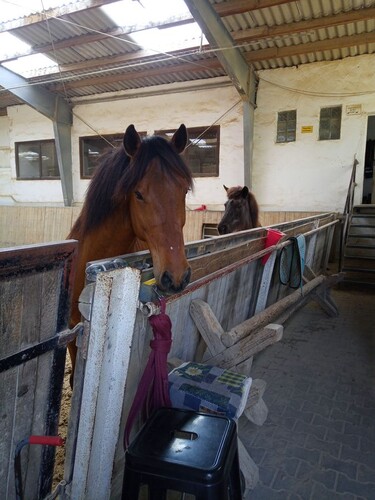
241 211
136 201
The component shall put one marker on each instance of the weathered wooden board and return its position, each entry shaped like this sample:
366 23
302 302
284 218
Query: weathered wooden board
231 293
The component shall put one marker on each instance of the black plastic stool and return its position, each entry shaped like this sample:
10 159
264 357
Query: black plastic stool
184 451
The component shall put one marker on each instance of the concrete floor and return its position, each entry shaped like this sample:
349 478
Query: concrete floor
318 441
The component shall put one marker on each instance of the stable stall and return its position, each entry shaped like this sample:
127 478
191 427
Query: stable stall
233 281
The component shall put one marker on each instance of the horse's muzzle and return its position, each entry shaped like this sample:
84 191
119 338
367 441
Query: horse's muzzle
167 283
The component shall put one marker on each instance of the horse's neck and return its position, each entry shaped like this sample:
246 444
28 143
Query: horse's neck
112 238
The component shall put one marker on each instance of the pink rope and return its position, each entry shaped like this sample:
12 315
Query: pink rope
153 389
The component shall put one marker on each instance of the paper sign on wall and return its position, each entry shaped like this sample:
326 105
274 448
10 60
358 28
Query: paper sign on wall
307 129
354 109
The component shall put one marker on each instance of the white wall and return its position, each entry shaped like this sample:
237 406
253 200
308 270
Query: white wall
5 170
195 108
306 175
198 108
25 124
309 174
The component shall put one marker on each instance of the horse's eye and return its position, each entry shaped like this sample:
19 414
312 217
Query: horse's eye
138 195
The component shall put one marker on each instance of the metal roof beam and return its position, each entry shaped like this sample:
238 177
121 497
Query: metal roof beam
229 56
63 141
57 110
44 102
239 71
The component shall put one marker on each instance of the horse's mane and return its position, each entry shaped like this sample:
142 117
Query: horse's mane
234 193
117 175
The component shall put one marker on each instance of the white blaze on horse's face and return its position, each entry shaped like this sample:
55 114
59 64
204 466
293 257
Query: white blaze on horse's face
157 211
152 222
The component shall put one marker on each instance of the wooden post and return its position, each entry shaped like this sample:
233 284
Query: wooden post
268 315
111 337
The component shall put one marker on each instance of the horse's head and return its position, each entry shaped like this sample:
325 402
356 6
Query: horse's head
157 184
237 211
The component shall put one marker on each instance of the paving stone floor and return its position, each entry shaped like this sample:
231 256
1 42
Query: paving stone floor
318 442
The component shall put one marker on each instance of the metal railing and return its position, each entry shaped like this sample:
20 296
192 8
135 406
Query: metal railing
346 216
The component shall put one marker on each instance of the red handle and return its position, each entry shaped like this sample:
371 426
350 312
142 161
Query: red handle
48 440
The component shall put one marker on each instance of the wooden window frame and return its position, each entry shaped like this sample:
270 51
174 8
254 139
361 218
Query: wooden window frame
109 137
34 143
198 132
288 121
334 123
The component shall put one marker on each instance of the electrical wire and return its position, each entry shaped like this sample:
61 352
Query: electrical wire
61 79
315 93
165 57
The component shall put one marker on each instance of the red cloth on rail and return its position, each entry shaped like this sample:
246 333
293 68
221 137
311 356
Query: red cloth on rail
153 389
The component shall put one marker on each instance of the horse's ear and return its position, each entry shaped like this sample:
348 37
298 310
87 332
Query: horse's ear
245 192
225 187
180 139
131 141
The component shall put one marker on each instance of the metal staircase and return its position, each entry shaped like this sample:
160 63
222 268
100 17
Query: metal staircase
359 250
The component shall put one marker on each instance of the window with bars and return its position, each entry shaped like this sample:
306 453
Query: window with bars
36 160
286 126
202 152
330 123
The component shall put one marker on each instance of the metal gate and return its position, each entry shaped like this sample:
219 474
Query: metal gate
35 288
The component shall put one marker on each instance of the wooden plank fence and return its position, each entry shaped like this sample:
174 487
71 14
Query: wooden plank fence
227 275
231 289
24 225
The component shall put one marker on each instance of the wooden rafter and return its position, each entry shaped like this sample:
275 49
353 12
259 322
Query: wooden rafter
307 48
225 8
304 26
134 75
255 56
212 64
135 65
232 7
40 17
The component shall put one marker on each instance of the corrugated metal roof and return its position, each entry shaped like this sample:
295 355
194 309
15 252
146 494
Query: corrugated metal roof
96 56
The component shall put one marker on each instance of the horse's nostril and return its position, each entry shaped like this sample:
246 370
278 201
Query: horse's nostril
186 278
166 281
222 229
167 284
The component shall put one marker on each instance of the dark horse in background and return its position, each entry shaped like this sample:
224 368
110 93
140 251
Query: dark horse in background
241 211
136 201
